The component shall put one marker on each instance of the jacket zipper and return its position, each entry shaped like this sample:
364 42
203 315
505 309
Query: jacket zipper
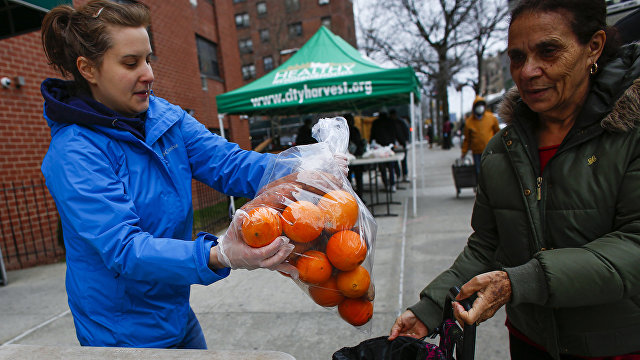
539 184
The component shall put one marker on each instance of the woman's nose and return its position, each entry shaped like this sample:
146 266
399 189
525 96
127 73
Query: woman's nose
531 68
147 74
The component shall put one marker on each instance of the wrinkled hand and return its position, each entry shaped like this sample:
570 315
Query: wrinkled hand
407 324
343 163
234 253
493 290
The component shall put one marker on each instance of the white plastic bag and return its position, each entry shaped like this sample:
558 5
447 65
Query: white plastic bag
331 228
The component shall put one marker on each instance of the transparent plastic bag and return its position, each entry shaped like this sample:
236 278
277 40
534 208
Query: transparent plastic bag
332 230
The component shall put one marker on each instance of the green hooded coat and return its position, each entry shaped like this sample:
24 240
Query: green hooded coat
568 237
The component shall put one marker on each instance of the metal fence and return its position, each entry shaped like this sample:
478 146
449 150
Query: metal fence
211 209
29 230
31 234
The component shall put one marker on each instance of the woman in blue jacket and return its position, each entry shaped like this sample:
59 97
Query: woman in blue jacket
119 167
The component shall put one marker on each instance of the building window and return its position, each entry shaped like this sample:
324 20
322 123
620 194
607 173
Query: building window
323 2
242 20
238 1
248 71
295 29
268 63
326 21
261 7
264 35
292 5
207 57
245 46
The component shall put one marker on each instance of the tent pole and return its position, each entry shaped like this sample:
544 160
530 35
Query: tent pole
413 154
421 138
232 202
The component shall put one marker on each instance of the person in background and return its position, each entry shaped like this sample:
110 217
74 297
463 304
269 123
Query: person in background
119 167
383 131
479 128
402 139
356 148
556 220
304 134
446 134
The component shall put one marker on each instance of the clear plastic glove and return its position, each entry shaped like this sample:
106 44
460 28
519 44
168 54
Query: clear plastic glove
234 253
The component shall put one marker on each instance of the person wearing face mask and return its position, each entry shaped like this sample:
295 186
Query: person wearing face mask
479 128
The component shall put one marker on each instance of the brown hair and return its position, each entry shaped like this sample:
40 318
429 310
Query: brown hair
69 33
587 17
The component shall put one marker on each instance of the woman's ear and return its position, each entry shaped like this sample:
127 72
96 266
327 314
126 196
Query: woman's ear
596 45
86 69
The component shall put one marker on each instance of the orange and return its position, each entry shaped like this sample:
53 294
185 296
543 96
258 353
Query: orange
298 249
340 210
261 226
346 250
314 267
354 283
276 197
302 221
356 311
326 294
317 182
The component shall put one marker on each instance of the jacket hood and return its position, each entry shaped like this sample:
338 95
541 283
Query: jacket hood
613 99
479 99
62 106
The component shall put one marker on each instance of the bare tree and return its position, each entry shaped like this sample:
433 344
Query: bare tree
487 23
420 34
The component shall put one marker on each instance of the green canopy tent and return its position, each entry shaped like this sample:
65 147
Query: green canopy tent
325 75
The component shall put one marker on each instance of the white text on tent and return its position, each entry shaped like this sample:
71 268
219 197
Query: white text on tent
313 71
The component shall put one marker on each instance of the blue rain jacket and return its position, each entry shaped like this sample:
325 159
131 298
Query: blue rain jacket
126 211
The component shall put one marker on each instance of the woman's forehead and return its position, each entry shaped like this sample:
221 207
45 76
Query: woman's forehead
129 40
532 28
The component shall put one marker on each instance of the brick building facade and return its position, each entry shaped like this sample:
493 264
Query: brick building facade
269 31
181 32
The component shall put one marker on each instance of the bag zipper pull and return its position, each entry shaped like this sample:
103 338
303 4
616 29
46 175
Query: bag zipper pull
539 181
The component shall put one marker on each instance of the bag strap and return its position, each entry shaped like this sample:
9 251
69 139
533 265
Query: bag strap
451 335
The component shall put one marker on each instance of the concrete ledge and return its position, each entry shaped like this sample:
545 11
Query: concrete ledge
29 352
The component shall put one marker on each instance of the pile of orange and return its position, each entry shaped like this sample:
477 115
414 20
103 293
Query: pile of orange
319 217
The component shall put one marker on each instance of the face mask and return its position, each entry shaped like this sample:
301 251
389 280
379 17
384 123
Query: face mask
479 110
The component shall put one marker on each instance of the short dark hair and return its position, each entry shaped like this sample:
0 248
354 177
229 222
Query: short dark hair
587 17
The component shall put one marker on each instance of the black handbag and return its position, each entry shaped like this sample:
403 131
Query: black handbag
452 338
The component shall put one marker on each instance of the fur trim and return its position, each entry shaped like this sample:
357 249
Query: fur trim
507 106
624 116
626 112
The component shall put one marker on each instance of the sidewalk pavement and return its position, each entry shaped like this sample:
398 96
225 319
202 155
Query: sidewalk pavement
265 311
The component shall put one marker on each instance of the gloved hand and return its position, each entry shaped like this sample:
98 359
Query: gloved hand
234 253
343 162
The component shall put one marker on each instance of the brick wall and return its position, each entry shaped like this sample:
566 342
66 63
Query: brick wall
24 135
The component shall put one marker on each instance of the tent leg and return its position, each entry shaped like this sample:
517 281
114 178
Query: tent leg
232 203
413 155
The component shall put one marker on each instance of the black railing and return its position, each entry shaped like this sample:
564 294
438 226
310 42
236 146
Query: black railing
31 234
29 229
211 209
